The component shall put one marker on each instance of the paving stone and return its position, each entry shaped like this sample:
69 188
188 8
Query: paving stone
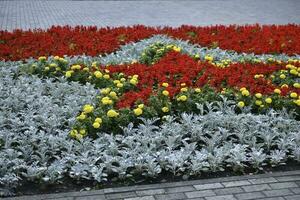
232 190
203 193
263 180
288 178
180 189
283 185
120 195
209 186
294 197
254 188
236 183
150 192
280 192
273 198
250 195
141 198
94 197
173 196
296 190
223 197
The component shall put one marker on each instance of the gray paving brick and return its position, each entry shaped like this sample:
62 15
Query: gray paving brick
203 193
208 186
236 183
250 195
94 197
288 178
180 189
223 197
283 185
295 190
150 192
254 188
293 197
280 192
173 196
263 180
141 198
232 190
120 195
273 198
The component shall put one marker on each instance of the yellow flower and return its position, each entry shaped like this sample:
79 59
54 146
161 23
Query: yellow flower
82 131
177 49
134 61
138 111
116 81
245 93
242 89
96 125
209 58
258 102
182 84
74 67
241 104
296 85
73 133
182 98
105 91
258 95
133 81
86 69
184 89
198 90
277 91
113 94
165 84
165 93
282 76
135 76
165 109
106 101
294 95
123 79
47 68
284 85
82 116
197 56
268 100
88 108
56 57
94 64
112 113
141 106
294 72
106 76
119 85
63 60
42 58
297 102
53 65
98 74
57 68
99 120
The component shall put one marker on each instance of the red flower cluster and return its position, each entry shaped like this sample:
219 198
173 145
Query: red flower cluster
176 68
93 41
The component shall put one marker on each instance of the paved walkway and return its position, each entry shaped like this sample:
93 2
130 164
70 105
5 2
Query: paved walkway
43 14
276 186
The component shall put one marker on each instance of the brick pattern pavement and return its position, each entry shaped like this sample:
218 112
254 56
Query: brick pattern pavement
43 14
271 186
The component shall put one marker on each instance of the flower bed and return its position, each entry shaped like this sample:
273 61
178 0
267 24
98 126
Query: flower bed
155 106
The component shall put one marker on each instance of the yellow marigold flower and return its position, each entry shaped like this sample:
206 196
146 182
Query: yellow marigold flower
134 61
245 93
86 69
184 89
258 102
284 85
58 69
141 106
106 76
56 57
133 81
294 95
82 131
105 91
94 64
182 98
282 76
42 58
165 93
296 85
119 85
63 60
116 81
256 76
106 101
123 79
165 84
272 76
73 133
165 109
241 104
258 95
98 74
96 125
74 67
98 119
88 108
294 72
209 58
47 68
82 116
268 100
177 49
297 102
113 94
197 56
277 91
243 88
289 66
135 76
112 113
198 90
182 84
138 111
53 65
